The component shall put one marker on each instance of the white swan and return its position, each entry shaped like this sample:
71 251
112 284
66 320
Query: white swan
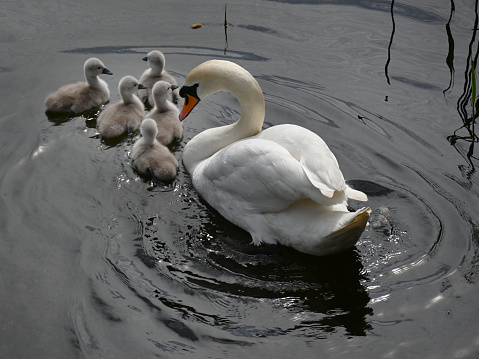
156 72
151 158
165 113
124 116
282 185
82 96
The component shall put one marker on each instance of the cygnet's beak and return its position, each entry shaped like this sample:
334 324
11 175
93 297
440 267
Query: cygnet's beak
174 87
107 72
145 58
141 87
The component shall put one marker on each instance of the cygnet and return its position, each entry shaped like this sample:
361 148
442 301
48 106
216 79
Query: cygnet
150 157
124 116
156 72
166 114
81 96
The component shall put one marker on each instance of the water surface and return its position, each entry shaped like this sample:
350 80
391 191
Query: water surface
96 262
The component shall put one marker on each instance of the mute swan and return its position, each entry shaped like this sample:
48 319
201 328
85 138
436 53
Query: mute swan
151 158
81 96
282 185
156 72
165 113
123 116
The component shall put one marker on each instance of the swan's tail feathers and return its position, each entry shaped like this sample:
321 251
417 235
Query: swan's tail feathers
355 228
355 194
347 236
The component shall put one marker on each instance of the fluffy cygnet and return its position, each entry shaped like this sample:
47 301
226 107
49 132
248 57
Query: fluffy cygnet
123 116
156 72
82 96
151 158
166 114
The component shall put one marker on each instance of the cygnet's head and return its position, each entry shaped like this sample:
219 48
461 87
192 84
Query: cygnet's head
149 130
94 67
156 60
128 86
161 90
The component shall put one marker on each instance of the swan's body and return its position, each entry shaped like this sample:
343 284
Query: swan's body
165 113
81 96
124 116
156 72
283 185
151 158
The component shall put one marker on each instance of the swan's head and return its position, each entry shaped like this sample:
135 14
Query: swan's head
156 60
161 90
128 86
149 130
214 76
94 67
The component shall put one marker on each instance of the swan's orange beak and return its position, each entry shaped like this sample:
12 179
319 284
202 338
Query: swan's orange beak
189 93
188 106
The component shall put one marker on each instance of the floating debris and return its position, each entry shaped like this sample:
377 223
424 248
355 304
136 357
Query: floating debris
196 26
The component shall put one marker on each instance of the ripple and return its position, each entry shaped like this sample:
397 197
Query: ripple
409 11
170 50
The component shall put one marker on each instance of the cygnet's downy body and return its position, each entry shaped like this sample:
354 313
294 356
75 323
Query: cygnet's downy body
124 116
81 96
156 72
150 158
166 114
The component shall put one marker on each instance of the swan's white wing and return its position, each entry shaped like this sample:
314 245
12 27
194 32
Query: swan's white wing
258 175
317 160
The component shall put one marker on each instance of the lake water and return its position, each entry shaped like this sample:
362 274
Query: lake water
98 263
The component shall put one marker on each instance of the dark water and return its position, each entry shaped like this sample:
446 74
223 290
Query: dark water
96 262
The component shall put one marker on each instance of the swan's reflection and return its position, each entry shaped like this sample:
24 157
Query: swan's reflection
325 293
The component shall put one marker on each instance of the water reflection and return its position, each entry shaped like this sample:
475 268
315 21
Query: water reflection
450 52
386 68
323 294
226 31
90 116
464 104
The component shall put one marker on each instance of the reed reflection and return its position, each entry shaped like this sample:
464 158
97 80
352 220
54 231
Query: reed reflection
450 53
386 69
467 104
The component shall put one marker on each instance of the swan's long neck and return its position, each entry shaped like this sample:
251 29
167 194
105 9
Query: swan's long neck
250 97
